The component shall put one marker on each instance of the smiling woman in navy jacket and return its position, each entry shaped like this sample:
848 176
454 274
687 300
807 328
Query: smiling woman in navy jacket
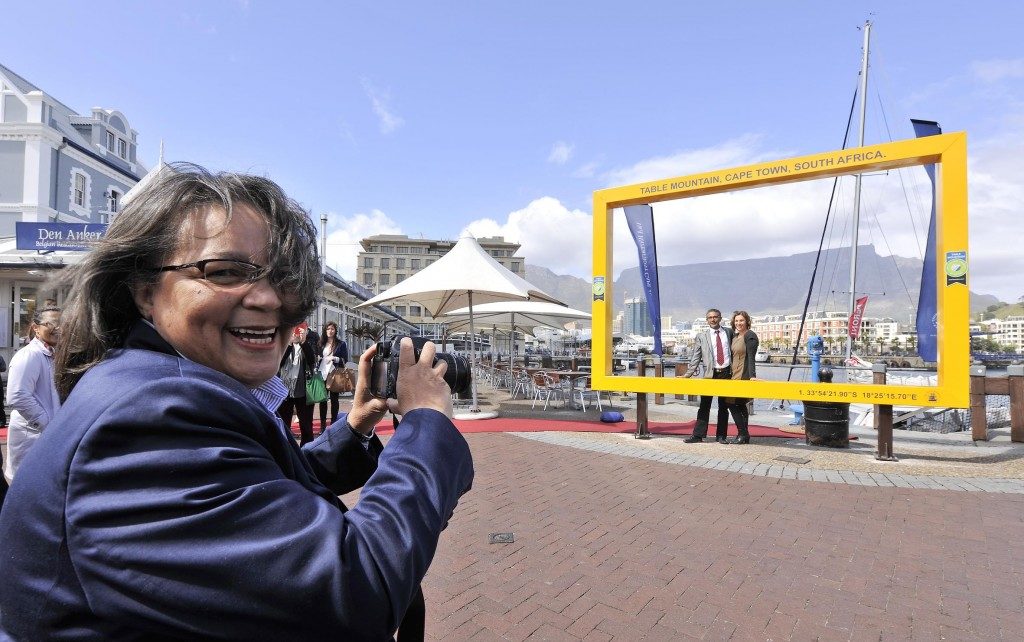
166 499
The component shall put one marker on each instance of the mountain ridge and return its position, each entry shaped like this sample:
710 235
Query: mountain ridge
768 285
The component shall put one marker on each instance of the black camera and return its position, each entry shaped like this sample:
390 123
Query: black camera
384 373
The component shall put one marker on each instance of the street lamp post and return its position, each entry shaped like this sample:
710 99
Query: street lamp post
323 268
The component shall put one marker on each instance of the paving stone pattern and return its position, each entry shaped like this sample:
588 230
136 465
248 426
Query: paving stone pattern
620 547
783 470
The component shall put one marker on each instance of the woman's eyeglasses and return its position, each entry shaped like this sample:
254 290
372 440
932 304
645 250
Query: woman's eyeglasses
51 325
223 272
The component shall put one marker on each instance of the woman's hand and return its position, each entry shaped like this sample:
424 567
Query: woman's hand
367 410
420 384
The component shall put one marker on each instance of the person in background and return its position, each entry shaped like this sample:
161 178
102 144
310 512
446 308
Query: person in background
165 500
711 350
3 407
744 366
333 354
31 394
296 368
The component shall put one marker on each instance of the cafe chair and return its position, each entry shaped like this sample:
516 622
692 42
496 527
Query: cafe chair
544 386
586 391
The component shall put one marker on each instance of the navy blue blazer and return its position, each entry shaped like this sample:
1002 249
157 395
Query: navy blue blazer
165 501
340 351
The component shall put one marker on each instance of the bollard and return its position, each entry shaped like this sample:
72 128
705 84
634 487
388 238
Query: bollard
680 372
979 423
659 371
1015 376
883 418
642 430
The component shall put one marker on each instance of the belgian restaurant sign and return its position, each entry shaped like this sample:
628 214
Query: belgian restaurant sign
58 236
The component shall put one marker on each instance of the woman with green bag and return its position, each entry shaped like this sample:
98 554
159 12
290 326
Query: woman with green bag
297 370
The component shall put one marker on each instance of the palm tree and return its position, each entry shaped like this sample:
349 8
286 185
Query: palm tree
371 332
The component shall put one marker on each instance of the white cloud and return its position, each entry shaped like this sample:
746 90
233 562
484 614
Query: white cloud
587 170
995 198
344 234
991 71
551 235
560 154
388 120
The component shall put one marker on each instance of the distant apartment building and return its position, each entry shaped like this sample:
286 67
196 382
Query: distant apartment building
57 167
780 331
1010 332
389 259
635 319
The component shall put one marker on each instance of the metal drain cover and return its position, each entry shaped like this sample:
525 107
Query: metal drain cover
501 538
793 460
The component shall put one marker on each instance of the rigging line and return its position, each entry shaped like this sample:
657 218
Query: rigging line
899 173
835 254
817 259
892 255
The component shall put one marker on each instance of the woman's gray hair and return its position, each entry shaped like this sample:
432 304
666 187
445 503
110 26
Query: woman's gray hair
37 316
101 310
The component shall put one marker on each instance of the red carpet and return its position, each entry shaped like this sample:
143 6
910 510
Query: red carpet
519 424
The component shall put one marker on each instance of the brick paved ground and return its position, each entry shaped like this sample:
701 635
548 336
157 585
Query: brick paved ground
612 547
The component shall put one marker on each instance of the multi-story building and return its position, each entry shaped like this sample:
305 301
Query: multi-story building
389 259
635 319
59 170
1010 332
779 331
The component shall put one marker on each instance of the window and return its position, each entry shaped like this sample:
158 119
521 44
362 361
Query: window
80 190
385 263
399 277
367 261
113 201
400 310
415 263
515 267
387 249
368 278
402 249
414 311
429 261
385 279
122 148
400 264
110 141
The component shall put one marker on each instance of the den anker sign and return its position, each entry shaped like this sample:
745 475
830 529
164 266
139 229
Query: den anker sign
58 236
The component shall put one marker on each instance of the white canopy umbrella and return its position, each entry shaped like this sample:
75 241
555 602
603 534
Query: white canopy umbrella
520 316
516 316
466 276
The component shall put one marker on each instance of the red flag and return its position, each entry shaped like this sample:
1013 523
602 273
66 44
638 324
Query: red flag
857 316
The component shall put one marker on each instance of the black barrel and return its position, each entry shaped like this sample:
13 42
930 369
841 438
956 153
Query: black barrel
827 423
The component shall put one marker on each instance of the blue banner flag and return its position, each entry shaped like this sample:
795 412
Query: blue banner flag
640 219
927 321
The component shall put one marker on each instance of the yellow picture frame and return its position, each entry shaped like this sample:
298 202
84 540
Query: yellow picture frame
947 151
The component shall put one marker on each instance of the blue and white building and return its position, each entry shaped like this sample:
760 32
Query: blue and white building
56 166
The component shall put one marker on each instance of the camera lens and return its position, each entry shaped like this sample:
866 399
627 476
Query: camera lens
457 376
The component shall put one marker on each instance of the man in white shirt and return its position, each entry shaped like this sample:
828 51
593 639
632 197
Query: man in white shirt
712 351
31 393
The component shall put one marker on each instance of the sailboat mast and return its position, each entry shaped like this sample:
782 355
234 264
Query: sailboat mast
856 190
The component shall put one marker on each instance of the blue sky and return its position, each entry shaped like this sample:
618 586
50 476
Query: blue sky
434 117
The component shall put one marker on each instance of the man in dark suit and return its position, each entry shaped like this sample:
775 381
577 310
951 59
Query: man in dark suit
711 350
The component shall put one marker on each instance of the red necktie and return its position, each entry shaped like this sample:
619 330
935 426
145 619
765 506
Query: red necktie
720 351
